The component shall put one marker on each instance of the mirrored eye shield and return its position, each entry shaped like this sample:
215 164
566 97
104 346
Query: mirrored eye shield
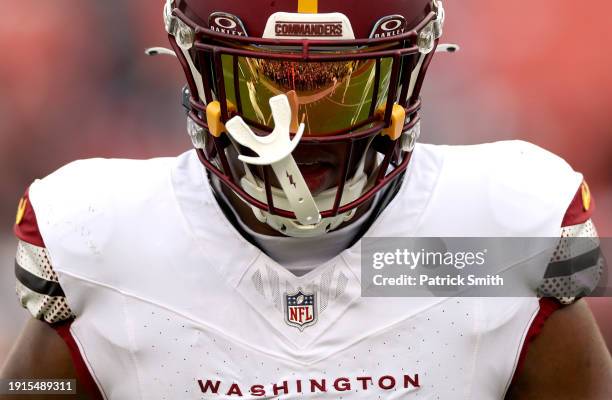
194 109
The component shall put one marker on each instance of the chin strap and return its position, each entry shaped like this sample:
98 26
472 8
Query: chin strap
325 200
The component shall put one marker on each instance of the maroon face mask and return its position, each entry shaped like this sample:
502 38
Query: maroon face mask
354 77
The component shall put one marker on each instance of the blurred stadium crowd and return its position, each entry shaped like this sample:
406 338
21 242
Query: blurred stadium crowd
305 77
75 83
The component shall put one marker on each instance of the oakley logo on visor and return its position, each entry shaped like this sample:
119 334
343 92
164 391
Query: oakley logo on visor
392 25
226 23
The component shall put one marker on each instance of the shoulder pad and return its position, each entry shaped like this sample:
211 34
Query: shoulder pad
79 205
532 184
512 187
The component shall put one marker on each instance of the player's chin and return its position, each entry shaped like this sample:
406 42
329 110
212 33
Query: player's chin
319 176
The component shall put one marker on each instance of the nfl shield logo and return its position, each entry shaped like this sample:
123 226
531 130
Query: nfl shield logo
300 309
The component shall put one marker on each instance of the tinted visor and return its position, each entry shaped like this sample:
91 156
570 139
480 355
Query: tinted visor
332 95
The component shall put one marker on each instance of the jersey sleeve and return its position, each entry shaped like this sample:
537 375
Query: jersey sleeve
37 284
577 264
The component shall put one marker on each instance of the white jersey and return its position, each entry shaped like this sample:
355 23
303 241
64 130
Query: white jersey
172 303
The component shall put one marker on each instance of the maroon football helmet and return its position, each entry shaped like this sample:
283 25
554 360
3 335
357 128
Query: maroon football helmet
304 109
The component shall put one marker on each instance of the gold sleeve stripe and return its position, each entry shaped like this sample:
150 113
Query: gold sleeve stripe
308 6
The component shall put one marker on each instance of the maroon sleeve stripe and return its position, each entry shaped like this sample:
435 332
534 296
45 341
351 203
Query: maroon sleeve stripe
26 228
83 375
579 212
547 307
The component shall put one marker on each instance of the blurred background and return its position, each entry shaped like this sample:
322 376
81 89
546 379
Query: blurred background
75 83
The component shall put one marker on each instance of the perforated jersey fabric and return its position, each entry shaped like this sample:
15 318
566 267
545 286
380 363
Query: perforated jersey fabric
579 279
35 260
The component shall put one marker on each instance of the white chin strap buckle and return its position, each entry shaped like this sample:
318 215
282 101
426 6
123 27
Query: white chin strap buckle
275 150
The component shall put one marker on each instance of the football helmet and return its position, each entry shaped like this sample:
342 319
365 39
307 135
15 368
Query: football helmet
304 109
